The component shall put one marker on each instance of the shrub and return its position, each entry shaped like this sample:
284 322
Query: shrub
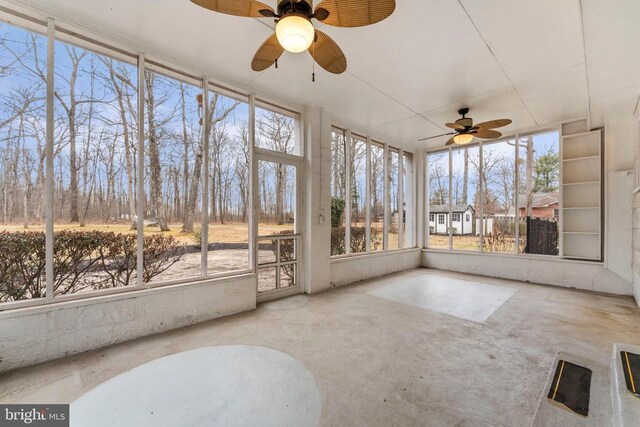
81 260
337 210
358 241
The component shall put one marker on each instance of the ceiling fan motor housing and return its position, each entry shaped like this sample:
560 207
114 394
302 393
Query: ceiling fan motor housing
287 6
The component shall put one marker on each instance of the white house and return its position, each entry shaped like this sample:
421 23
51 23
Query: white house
461 220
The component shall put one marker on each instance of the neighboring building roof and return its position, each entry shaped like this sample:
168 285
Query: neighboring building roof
539 200
445 208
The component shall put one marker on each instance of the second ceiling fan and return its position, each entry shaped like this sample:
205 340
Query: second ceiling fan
465 130
295 32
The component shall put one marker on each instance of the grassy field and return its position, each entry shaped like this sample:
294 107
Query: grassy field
218 233
472 243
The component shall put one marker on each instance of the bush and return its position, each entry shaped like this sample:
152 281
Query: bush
358 242
81 260
337 209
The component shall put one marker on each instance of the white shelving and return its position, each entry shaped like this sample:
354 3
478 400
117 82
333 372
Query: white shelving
581 176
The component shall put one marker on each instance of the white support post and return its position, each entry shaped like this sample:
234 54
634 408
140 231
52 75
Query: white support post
450 222
400 199
426 199
347 195
49 274
204 228
515 195
481 191
367 193
254 201
140 175
385 238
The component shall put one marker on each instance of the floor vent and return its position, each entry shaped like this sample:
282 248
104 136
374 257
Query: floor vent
571 387
631 369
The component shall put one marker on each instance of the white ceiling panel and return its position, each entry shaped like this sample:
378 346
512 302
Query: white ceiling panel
501 104
426 55
557 96
611 36
530 38
351 101
405 133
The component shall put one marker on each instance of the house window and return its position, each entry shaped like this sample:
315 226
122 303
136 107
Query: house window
432 217
440 219
456 217
467 217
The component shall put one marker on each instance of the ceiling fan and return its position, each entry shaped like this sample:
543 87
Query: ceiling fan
465 130
295 32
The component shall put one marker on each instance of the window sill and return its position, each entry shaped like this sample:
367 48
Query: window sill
531 257
350 257
31 307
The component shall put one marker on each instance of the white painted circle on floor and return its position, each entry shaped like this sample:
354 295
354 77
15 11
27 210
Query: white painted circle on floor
227 385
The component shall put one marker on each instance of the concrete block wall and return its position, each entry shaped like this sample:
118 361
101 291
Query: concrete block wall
38 334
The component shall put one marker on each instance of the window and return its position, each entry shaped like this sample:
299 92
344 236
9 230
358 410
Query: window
431 217
510 191
377 196
370 182
23 57
277 130
438 197
358 186
338 191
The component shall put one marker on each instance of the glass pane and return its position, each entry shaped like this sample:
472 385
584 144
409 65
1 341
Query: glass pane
407 192
358 194
277 192
438 176
338 188
267 250
465 189
266 279
377 196
288 250
172 161
22 88
287 275
277 131
394 214
228 175
498 178
539 197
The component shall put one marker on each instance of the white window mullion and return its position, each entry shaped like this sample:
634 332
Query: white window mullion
254 198
141 197
515 195
450 221
49 274
347 194
400 199
481 172
204 176
385 238
367 192
426 201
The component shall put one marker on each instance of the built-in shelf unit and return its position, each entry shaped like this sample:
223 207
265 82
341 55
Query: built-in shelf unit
581 177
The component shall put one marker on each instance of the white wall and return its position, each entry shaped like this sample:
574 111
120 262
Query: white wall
351 269
553 271
38 334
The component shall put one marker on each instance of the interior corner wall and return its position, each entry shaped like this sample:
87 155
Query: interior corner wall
636 220
356 268
39 334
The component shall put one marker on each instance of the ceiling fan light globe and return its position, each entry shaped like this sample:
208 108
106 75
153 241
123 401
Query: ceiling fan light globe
295 33
462 138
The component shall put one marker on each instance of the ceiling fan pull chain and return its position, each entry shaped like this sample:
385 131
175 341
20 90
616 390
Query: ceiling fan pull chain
276 62
313 62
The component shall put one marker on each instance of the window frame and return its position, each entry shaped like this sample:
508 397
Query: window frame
513 137
55 31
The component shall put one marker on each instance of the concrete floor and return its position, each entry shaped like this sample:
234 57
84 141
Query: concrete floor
379 362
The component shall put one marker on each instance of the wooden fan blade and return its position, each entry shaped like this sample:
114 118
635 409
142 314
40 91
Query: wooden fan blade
267 54
437 136
450 142
454 126
487 134
248 8
353 13
328 54
494 124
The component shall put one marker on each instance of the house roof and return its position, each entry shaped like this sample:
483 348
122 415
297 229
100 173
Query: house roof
539 200
445 208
